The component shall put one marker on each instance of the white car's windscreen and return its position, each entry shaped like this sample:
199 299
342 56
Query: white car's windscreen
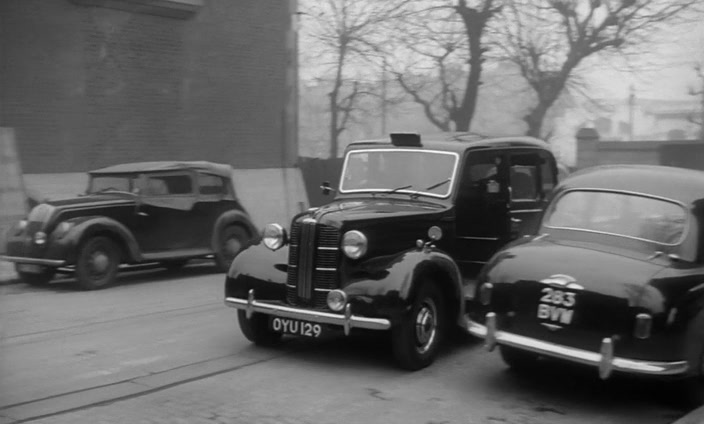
617 213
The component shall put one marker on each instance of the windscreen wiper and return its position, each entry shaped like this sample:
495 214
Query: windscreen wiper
443 182
394 190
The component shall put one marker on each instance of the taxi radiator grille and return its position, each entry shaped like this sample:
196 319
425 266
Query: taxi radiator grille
313 261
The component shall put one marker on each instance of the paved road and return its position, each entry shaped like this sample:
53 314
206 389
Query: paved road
162 348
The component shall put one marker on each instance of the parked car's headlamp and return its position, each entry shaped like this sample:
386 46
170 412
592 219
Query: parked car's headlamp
63 228
274 236
354 244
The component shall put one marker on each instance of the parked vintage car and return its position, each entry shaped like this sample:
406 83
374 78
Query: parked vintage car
367 259
164 212
613 279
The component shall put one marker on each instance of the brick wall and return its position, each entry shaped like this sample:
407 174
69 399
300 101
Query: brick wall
86 86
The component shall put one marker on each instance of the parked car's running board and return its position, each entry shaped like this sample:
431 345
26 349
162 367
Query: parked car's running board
175 254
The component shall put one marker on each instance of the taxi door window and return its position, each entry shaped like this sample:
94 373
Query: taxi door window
531 177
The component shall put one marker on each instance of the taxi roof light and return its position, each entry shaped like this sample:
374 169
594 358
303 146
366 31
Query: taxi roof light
405 139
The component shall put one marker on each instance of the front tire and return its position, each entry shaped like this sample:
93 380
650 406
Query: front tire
97 263
38 279
690 390
416 340
256 329
231 241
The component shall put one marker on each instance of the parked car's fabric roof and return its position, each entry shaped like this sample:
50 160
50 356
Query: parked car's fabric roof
209 167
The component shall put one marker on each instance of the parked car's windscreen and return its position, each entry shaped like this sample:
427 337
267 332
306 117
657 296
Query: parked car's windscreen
411 171
620 214
110 182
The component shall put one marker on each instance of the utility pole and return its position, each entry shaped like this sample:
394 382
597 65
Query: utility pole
700 72
631 106
700 93
383 96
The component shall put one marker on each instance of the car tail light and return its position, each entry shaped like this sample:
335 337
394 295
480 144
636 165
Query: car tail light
644 324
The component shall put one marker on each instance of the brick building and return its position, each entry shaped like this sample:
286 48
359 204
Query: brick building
89 83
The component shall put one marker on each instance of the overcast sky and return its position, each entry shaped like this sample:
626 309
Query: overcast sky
667 73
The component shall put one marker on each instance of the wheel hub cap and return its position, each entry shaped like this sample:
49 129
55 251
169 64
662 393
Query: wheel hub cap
426 326
99 262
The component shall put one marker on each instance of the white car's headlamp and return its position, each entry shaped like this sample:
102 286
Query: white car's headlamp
274 236
354 244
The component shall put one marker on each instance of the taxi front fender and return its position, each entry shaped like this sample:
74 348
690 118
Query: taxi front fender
258 267
386 286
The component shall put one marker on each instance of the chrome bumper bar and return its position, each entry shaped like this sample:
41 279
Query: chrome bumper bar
604 360
33 261
346 320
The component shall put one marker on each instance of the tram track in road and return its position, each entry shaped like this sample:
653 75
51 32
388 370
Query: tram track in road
100 395
82 328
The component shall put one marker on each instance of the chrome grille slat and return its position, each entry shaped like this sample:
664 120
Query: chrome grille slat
313 263
306 258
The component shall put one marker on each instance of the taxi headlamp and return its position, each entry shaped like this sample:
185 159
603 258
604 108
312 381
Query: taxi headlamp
274 236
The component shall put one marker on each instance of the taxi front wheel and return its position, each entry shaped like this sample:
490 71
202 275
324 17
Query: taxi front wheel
256 329
416 340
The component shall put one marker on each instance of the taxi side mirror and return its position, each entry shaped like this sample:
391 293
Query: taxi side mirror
325 187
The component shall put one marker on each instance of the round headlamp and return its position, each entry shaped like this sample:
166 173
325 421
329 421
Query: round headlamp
337 299
354 244
274 236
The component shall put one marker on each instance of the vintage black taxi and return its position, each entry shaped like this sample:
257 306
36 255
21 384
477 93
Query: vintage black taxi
614 278
160 212
411 223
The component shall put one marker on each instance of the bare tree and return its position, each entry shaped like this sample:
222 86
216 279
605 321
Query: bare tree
699 92
549 39
346 37
446 38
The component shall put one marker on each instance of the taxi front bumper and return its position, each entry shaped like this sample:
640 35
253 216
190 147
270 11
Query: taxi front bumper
605 360
346 320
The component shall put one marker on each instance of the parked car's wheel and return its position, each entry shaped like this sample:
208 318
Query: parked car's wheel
416 340
691 389
256 329
175 264
232 240
97 262
518 360
36 279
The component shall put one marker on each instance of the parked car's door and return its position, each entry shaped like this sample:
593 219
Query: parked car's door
164 214
214 198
